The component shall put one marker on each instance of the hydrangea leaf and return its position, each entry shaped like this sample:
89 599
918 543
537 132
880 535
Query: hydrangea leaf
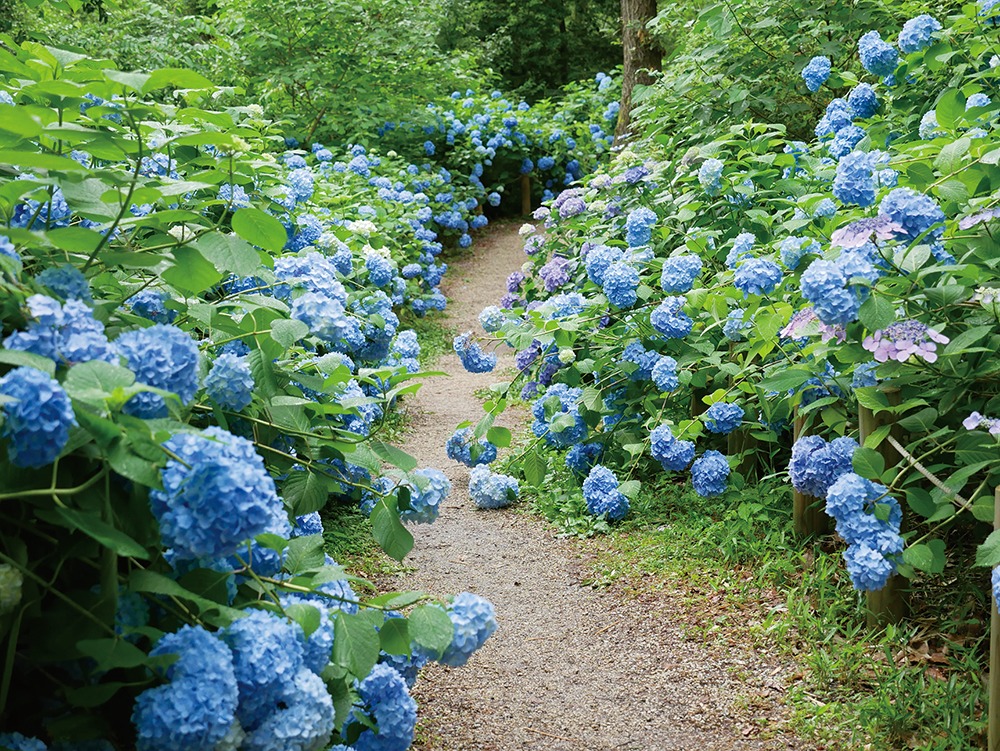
96 528
260 229
356 644
431 628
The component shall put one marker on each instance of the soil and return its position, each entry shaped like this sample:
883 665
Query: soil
571 666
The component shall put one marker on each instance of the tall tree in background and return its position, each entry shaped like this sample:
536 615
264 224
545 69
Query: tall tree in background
642 54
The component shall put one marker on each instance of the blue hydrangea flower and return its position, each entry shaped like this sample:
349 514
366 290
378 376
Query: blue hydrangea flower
308 524
311 271
816 72
7 248
600 491
995 586
915 212
978 99
196 709
462 447
854 182
793 249
317 648
581 457
710 176
490 490
723 417
164 357
670 319
620 282
216 495
816 464
758 276
473 358
673 454
302 721
845 141
268 655
679 273
328 320
380 269
149 304
742 248
871 566
864 375
37 420
428 489
929 128
229 383
599 259
546 163
645 359
824 284
736 325
709 474
474 620
664 374
66 334
386 701
916 33
639 226
862 101
877 57
17 741
557 416
68 282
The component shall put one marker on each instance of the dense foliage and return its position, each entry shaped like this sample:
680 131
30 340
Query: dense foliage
680 310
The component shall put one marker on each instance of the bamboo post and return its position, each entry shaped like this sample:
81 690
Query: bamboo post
888 604
808 516
525 195
994 687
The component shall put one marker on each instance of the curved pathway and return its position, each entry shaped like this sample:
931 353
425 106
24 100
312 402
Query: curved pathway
569 667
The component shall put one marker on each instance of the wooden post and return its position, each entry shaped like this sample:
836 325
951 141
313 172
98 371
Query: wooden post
525 195
994 687
808 516
888 604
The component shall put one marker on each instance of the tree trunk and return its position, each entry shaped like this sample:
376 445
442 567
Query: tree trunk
642 54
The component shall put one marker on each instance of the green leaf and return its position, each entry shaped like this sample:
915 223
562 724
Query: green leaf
988 554
868 463
20 359
179 78
191 272
305 553
394 456
356 644
95 381
229 254
305 491
630 488
112 653
395 636
921 422
307 616
499 437
431 628
920 502
158 584
950 158
136 468
876 313
535 468
786 380
927 557
877 436
389 531
260 228
288 331
93 526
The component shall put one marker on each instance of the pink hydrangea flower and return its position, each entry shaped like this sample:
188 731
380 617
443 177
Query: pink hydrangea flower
902 340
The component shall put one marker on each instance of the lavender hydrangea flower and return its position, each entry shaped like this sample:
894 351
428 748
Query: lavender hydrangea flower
903 339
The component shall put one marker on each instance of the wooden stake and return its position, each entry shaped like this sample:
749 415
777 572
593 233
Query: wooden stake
888 604
525 195
994 687
808 516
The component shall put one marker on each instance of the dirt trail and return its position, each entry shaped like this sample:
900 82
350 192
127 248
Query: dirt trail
569 667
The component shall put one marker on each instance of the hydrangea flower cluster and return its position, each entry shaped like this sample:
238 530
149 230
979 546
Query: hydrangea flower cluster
196 709
492 319
473 358
664 374
679 273
216 495
598 260
915 213
862 102
816 72
581 457
149 304
428 489
68 282
37 418
491 490
164 357
639 226
976 420
871 532
328 320
463 447
230 383
620 282
757 276
917 33
723 417
816 464
600 492
825 285
474 621
557 416
675 455
65 333
710 176
710 474
670 319
387 702
877 57
904 339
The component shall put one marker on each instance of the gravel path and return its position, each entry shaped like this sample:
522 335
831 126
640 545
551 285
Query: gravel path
569 667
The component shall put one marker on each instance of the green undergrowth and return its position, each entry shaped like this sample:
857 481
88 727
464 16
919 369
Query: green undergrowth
348 539
741 576
433 333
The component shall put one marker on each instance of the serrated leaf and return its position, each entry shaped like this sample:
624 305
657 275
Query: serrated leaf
356 644
786 380
229 254
394 456
305 553
877 436
20 359
389 531
307 616
288 331
395 636
876 313
927 557
868 463
96 380
431 628
499 437
260 228
305 491
988 554
535 467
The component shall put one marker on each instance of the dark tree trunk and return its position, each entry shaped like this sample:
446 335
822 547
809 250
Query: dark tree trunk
641 54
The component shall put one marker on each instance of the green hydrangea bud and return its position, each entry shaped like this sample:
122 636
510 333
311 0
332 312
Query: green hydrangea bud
10 588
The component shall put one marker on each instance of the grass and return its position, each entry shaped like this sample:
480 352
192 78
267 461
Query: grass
917 685
433 333
348 538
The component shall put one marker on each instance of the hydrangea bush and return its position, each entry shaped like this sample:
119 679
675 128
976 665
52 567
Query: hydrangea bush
728 280
203 332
